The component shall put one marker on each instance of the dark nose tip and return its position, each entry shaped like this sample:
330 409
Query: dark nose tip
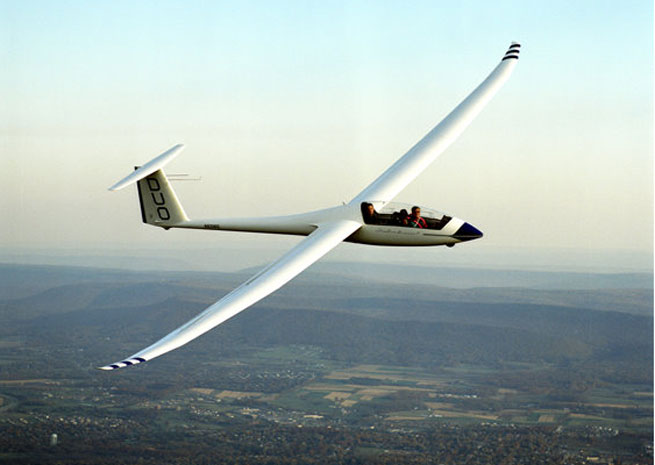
467 232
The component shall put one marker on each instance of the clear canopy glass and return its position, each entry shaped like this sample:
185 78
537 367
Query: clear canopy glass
403 215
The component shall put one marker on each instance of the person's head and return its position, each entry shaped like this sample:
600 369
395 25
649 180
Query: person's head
370 209
416 211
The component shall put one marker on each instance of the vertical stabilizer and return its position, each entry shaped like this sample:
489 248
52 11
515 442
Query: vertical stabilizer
159 204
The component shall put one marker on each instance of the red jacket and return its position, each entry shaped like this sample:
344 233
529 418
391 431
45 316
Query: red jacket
416 223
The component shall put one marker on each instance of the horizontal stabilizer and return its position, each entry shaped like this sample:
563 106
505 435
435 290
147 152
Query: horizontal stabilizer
149 168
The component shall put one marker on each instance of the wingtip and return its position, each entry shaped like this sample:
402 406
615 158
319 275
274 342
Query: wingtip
513 51
122 364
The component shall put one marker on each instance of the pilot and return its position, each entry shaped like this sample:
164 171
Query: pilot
414 220
370 215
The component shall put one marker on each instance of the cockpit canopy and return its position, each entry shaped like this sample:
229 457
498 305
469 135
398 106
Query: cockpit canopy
398 214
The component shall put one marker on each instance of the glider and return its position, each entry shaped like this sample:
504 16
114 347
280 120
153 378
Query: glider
369 218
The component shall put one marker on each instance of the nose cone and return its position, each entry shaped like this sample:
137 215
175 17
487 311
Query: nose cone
467 232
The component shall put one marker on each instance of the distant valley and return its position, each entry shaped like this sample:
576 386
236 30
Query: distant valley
337 348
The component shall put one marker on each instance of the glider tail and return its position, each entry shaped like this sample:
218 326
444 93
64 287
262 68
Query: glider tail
159 204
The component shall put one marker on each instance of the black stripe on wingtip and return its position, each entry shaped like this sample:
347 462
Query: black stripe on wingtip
514 52
514 46
113 367
141 360
127 362
516 57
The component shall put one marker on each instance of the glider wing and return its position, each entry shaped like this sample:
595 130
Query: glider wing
321 241
419 157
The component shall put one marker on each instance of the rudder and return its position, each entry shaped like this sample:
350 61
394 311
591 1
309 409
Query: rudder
159 204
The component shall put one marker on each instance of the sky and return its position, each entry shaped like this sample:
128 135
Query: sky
287 107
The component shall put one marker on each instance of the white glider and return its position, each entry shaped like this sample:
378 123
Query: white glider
369 218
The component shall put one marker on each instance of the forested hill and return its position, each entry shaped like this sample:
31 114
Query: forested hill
100 315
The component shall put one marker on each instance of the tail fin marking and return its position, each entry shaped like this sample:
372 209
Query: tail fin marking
159 204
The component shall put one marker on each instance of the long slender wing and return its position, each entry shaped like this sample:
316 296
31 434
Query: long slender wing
419 157
321 241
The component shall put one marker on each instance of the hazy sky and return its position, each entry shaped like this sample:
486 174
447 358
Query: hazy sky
293 106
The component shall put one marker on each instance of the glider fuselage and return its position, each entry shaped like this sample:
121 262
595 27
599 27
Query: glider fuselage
384 233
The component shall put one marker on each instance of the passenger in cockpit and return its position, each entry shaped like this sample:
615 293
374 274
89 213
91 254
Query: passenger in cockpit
415 220
399 218
370 215
403 217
